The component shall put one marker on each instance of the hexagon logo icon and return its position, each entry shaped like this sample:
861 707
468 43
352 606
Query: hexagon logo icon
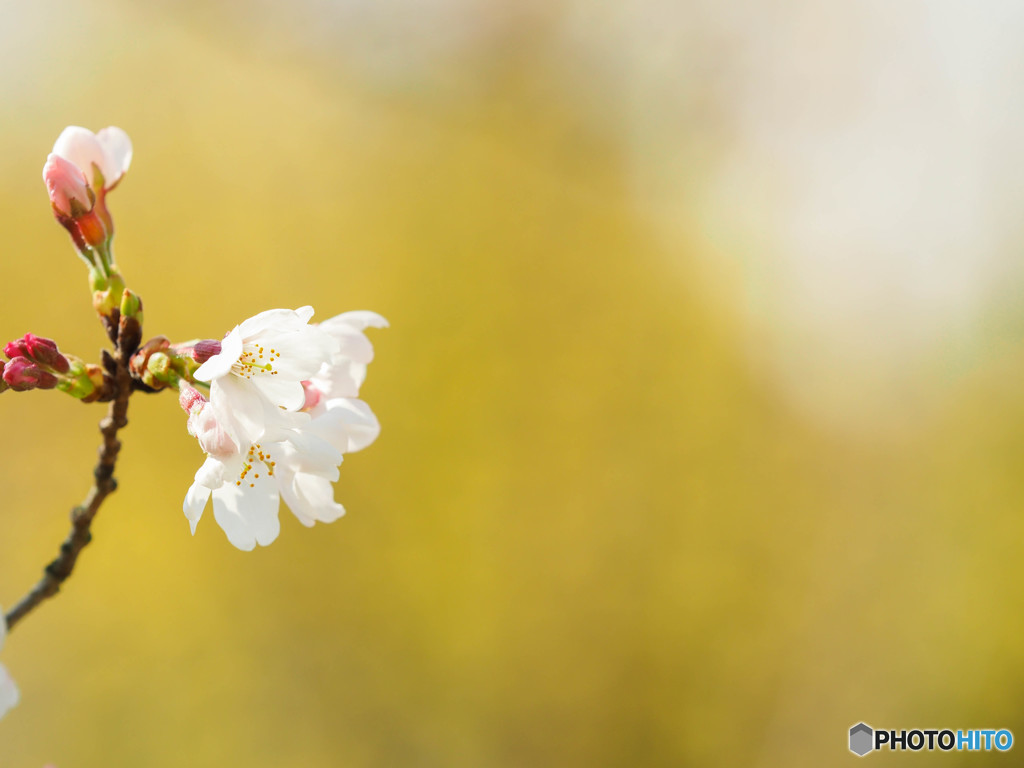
861 739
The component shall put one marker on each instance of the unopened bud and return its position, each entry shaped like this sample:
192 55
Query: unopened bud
131 305
102 385
107 291
79 173
203 423
45 352
42 352
69 190
205 349
21 375
189 398
160 366
102 157
16 348
77 383
139 362
129 333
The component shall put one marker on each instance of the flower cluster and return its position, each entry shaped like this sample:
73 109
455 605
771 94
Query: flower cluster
282 409
274 404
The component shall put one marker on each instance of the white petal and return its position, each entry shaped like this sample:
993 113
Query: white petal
311 498
195 502
307 451
205 425
296 505
355 346
301 353
117 152
81 147
248 514
240 408
282 392
339 380
357 372
281 425
275 319
213 471
347 423
359 319
9 695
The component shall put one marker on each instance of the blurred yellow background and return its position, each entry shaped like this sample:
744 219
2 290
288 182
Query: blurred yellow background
702 400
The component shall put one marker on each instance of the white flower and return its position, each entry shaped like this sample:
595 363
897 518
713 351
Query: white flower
110 151
247 488
9 695
259 371
260 448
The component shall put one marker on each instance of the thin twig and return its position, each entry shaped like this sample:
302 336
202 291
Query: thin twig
82 516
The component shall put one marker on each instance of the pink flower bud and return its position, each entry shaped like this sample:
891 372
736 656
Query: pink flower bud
16 348
204 350
38 350
68 187
109 151
203 424
82 168
45 352
189 398
22 375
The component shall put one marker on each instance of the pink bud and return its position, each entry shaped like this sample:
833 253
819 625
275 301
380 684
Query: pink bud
204 350
68 187
190 399
38 350
22 375
206 428
45 352
108 151
16 348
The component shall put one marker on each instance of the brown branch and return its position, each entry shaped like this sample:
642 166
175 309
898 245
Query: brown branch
103 485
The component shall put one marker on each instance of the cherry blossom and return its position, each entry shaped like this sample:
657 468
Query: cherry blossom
281 412
108 151
247 487
257 374
78 173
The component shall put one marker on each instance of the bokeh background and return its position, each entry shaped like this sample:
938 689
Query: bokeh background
702 401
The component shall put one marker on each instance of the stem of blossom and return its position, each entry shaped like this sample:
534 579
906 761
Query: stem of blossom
103 485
